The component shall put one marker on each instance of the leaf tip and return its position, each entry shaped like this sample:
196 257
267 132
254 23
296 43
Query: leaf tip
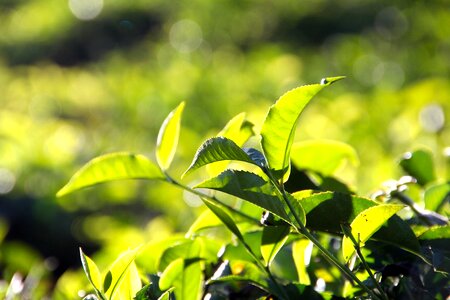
330 80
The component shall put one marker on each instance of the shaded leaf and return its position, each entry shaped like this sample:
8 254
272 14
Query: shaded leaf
322 156
326 211
168 136
110 167
253 188
92 273
273 239
118 272
366 224
217 149
225 218
279 126
419 164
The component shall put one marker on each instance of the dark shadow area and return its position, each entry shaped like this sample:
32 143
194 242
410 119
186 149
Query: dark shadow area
86 41
315 28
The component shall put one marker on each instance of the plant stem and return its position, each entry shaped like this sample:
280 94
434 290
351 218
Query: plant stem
369 271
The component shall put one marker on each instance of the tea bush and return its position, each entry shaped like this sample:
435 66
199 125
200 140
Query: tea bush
279 224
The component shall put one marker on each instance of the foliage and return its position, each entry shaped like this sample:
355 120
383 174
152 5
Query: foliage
387 242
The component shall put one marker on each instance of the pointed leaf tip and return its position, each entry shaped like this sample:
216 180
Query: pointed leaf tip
279 126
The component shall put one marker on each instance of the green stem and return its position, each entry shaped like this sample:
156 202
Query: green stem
369 271
303 230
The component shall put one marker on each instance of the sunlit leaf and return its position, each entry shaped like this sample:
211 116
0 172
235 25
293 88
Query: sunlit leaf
171 273
118 272
301 257
322 156
281 121
185 275
168 136
92 273
239 131
253 188
110 167
218 149
419 164
366 224
131 284
273 239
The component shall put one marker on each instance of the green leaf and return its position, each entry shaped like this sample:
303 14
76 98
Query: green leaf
171 273
366 224
109 167
185 275
218 149
326 212
301 258
168 136
419 164
322 156
131 284
253 188
92 273
273 239
281 121
225 218
118 272
436 195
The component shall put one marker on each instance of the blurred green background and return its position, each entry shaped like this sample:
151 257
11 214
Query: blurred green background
80 78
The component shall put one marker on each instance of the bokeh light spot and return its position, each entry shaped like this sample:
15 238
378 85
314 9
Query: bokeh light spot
432 118
86 9
391 23
185 36
7 181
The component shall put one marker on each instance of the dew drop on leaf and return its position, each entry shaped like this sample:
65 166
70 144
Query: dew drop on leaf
323 81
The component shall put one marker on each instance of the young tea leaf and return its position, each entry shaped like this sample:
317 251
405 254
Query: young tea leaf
366 224
92 273
118 272
131 284
218 149
109 167
168 136
279 126
171 273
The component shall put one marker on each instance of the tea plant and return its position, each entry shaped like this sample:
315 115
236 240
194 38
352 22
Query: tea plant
308 243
